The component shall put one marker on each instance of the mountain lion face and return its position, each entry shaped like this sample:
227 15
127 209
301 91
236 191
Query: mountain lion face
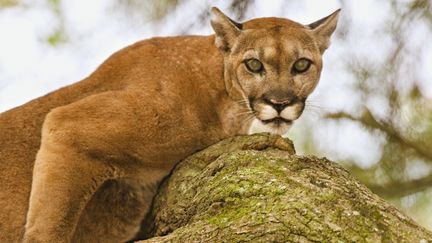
272 67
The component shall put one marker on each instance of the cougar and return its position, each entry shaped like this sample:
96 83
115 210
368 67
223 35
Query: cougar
83 163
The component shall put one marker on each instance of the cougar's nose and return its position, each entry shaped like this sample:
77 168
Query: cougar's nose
285 101
279 100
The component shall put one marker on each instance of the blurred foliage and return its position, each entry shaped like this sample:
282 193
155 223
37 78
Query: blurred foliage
8 3
143 11
407 124
58 35
405 168
239 8
139 11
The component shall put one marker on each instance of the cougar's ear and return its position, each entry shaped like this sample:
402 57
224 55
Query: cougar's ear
226 30
324 28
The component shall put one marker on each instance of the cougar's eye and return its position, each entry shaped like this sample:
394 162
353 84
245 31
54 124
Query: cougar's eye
254 65
301 65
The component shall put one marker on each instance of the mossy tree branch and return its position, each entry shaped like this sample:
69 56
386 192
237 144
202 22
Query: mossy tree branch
255 189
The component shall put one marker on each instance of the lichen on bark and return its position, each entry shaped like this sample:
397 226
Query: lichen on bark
255 189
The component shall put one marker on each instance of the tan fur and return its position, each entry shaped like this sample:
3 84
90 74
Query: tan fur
82 164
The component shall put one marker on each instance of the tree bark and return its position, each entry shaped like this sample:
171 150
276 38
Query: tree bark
255 189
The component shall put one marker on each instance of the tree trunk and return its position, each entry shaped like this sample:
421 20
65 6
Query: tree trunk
255 189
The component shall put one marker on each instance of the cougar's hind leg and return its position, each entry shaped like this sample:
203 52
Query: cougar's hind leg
64 180
87 146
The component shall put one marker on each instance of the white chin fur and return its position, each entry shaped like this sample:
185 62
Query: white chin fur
258 126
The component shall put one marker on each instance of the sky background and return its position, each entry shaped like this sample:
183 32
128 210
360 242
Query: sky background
45 45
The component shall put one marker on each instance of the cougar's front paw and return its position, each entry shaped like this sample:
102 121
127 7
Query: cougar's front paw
259 141
262 141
